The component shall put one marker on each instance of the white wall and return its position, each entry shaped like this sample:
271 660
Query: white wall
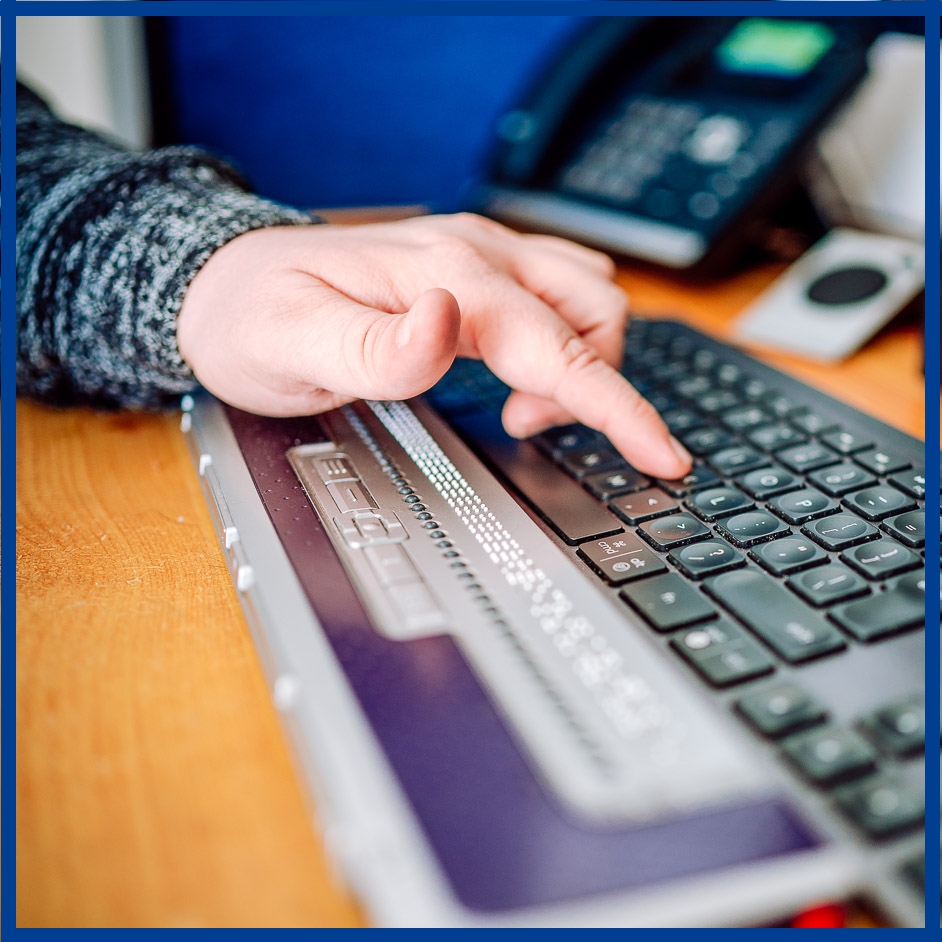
90 68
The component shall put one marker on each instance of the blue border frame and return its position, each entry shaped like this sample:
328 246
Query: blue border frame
927 8
8 478
445 7
932 382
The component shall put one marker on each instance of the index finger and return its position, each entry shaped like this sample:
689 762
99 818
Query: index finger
532 349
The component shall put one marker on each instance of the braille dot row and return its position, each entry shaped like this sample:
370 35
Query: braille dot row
449 552
421 511
468 579
519 570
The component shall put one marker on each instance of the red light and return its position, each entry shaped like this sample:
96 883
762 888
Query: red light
830 916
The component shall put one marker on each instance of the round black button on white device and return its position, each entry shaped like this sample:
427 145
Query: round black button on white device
847 285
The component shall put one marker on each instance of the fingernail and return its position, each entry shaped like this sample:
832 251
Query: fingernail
680 451
404 330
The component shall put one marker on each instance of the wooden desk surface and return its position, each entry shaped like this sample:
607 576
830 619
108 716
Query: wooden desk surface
154 786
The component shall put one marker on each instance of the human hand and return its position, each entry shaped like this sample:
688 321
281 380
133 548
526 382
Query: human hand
298 320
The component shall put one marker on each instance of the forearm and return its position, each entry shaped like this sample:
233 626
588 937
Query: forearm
107 243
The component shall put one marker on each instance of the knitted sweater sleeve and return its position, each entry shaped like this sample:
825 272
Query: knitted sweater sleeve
107 242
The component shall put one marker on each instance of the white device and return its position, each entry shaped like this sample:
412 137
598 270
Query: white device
869 169
837 295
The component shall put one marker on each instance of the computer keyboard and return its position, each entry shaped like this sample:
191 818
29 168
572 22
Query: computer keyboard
786 572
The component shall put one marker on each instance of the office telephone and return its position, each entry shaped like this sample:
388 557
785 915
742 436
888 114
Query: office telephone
668 139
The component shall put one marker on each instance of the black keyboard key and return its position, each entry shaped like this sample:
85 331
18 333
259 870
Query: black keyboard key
781 709
912 482
878 502
804 458
736 460
881 559
608 484
780 405
788 555
674 530
900 728
801 506
883 806
668 602
723 653
667 371
839 531
828 585
704 441
682 419
841 479
717 400
830 755
566 438
785 623
699 477
728 374
582 462
896 609
751 527
706 559
754 389
775 437
620 558
908 528
719 502
644 505
880 461
743 418
704 361
768 481
812 423
661 400
692 387
846 442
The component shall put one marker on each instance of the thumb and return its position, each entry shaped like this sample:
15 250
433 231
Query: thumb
395 356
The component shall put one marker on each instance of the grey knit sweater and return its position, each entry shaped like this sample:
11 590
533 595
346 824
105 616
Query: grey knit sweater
107 242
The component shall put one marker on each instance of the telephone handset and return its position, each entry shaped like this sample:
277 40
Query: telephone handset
664 138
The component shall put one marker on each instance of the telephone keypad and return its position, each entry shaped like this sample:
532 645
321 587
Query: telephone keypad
674 161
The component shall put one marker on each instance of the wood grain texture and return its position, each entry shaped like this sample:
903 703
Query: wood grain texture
154 784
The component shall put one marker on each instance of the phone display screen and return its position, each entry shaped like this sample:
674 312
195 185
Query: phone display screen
775 48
